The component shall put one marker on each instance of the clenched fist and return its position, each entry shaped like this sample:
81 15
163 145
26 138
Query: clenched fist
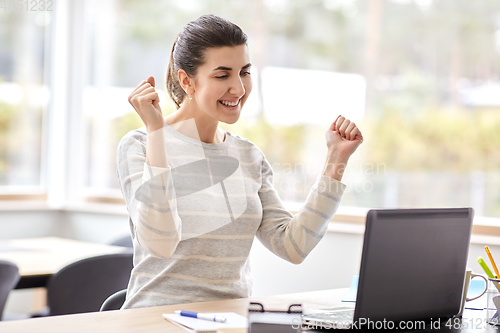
343 137
145 101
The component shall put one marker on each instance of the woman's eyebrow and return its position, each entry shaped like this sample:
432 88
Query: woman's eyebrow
224 68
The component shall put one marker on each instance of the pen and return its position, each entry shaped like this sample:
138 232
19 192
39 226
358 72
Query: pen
203 316
485 267
492 261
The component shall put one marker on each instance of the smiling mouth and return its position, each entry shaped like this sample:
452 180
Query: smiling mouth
230 104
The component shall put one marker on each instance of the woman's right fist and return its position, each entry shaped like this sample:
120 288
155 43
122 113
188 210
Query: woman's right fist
145 101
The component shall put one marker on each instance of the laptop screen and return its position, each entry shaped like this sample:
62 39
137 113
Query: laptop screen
413 264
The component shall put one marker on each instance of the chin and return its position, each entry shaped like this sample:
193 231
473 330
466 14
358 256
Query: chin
231 120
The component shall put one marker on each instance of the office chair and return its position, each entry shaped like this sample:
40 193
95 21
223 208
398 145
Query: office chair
125 241
9 276
84 285
115 301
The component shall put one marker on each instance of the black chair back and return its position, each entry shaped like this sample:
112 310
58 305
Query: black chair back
9 276
115 301
84 285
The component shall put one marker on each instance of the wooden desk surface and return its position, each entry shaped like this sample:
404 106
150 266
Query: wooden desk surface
46 256
150 319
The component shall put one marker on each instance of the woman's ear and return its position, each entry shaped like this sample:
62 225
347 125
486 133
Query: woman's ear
185 81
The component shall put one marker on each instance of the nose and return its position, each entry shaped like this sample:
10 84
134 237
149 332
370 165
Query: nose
237 87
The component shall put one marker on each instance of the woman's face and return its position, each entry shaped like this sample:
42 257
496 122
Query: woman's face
222 84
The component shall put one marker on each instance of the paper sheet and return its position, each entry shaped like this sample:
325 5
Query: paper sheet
233 320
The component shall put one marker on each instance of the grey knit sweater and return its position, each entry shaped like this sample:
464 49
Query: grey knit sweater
194 222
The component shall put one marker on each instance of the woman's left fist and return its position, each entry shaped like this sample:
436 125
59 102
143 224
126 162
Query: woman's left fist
343 137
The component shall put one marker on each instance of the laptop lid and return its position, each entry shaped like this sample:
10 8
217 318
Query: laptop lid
413 264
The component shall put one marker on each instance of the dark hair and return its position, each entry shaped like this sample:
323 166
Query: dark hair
188 51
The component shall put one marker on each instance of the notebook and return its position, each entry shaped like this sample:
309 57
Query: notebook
412 268
233 320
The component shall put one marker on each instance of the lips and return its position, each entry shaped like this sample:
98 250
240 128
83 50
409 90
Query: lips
230 104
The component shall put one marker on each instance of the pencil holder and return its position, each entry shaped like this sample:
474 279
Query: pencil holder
493 302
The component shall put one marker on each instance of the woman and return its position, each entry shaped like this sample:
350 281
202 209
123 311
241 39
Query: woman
197 195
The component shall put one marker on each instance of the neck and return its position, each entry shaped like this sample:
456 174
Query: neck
206 129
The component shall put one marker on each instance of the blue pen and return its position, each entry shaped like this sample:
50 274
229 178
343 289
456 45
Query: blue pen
203 316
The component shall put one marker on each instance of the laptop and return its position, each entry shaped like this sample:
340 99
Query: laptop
412 269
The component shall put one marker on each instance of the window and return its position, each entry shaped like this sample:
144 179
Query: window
422 72
419 77
24 96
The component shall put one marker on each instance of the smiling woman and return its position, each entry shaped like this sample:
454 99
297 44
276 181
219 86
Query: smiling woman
189 53
197 195
221 91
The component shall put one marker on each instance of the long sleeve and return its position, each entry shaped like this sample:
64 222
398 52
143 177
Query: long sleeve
292 237
150 197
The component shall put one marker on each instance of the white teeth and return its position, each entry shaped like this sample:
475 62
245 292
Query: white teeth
229 103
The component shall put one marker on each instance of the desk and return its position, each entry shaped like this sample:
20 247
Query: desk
150 319
39 258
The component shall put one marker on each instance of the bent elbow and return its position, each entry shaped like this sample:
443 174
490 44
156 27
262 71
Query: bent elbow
158 234
297 260
161 248
167 249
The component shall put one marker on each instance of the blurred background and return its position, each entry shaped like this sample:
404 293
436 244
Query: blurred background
419 77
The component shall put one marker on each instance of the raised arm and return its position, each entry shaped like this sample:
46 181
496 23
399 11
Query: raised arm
342 139
146 178
145 101
293 237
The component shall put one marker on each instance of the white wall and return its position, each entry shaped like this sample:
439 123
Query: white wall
330 265
29 224
85 226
